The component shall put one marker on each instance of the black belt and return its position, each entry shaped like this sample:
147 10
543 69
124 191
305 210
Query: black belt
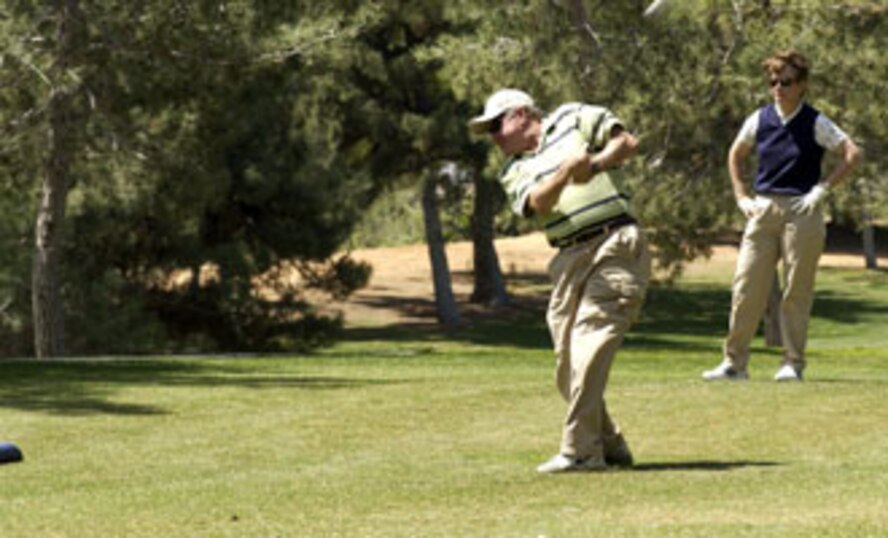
590 233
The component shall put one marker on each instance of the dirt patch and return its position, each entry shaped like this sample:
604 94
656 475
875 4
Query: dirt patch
400 290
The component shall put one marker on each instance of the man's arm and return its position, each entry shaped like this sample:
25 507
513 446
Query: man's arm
620 148
581 168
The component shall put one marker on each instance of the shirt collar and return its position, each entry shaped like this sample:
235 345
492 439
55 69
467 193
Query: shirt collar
789 117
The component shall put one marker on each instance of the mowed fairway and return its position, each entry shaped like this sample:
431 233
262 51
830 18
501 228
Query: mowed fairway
411 432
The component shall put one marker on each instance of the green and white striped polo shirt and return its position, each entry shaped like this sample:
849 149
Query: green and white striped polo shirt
570 129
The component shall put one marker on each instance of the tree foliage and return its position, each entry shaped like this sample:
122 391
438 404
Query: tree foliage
204 150
224 141
684 81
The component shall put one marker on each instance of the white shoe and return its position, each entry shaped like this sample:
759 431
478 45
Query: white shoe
566 464
788 373
725 372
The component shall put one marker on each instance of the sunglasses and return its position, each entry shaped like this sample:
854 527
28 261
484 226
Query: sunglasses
496 124
784 82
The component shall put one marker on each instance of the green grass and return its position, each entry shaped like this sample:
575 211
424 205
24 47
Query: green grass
406 432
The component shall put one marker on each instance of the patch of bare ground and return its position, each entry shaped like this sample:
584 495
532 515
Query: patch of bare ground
400 290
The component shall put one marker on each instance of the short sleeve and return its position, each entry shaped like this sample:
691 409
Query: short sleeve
596 124
746 136
828 134
517 183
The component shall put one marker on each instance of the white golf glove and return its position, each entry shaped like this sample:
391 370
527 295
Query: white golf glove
806 203
752 207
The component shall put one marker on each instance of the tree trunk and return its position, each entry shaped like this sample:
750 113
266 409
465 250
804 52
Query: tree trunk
869 235
489 286
49 330
445 304
869 246
772 315
63 125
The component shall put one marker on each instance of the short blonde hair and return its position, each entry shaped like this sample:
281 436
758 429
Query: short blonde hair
784 58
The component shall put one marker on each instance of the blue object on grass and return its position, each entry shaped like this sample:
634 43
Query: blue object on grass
9 453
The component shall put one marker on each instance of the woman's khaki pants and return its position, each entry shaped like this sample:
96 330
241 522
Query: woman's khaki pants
798 239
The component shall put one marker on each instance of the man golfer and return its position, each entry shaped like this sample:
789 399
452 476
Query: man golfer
784 215
564 171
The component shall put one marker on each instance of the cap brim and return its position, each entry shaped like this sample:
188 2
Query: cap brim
480 125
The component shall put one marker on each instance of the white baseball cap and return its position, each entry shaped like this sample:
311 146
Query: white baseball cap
498 104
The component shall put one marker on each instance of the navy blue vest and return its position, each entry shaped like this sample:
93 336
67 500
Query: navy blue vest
789 156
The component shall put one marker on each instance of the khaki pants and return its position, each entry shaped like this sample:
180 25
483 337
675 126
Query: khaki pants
598 290
777 233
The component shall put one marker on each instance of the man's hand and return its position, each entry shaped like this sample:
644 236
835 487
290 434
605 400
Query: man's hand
751 207
806 203
544 195
620 148
581 168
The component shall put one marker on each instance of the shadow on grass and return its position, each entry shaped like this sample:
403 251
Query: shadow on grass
697 310
704 465
86 387
846 381
670 315
703 309
669 312
525 330
683 318
843 240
